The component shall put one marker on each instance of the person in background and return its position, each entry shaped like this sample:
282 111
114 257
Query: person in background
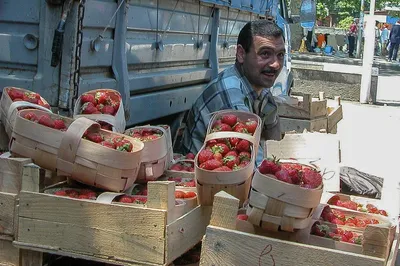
244 86
384 38
352 34
394 39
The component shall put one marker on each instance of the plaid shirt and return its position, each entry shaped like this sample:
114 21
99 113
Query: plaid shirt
230 90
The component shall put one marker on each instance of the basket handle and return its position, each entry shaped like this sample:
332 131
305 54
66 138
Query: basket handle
229 134
70 143
16 105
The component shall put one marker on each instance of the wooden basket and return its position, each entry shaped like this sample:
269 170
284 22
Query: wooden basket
118 121
275 204
154 156
70 155
9 109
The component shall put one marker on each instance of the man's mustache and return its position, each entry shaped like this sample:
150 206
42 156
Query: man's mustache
269 71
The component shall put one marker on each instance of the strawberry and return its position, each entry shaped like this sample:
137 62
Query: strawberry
234 141
218 156
361 223
223 169
95 137
190 156
222 127
312 178
29 97
124 145
176 167
91 194
59 124
108 110
204 156
107 143
212 142
31 116
190 194
320 230
221 148
41 103
243 145
233 153
115 105
139 199
179 194
46 121
217 123
251 126
240 127
294 175
72 193
337 221
190 184
88 98
88 108
383 212
269 167
60 193
229 119
244 156
15 94
83 196
102 97
231 161
125 199
283 175
242 217
211 164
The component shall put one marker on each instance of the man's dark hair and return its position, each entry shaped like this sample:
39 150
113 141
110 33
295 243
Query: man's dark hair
262 28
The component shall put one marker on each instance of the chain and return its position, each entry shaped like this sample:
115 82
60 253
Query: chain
78 49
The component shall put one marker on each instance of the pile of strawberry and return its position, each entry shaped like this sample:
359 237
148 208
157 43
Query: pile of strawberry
77 194
291 173
180 182
369 208
17 95
183 166
117 143
231 122
145 134
134 199
185 195
337 234
337 217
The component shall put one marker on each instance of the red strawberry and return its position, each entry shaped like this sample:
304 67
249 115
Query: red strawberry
217 123
83 196
283 175
243 145
320 230
190 156
108 110
221 148
229 119
190 194
383 212
59 124
222 127
95 137
124 145
312 178
269 167
240 127
251 126
15 94
108 144
218 156
211 164
88 108
223 169
337 221
190 184
139 199
233 153
212 142
125 199
234 141
60 193
204 156
31 116
91 194
294 175
244 156
176 167
88 98
242 217
46 121
102 97
41 103
179 194
231 161
29 97
72 193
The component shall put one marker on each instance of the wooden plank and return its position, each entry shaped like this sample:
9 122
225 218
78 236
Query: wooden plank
93 241
228 247
32 178
30 258
186 232
225 209
298 125
307 108
4 140
11 170
7 213
129 219
334 117
9 255
393 252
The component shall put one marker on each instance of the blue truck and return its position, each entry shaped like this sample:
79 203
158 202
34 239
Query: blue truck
159 54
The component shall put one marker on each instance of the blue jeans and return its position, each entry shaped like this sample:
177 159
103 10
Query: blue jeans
394 48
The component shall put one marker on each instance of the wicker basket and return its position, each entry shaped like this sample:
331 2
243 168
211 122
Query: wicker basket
9 109
118 121
274 204
70 155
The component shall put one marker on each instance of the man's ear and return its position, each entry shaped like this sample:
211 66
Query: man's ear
240 53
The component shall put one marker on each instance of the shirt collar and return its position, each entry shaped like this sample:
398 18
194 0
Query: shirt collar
247 86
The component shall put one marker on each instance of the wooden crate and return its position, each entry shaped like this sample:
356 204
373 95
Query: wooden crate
112 233
307 108
224 245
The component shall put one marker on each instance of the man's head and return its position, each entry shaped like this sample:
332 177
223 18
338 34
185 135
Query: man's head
260 53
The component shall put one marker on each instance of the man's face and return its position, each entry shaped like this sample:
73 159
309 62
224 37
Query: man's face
264 61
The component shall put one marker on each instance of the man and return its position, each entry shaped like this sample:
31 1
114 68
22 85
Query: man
384 38
394 38
352 37
243 86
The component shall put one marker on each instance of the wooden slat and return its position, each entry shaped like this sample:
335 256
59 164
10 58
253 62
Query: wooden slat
9 255
128 219
334 117
93 241
225 209
298 125
11 174
228 247
7 213
307 108
4 140
186 232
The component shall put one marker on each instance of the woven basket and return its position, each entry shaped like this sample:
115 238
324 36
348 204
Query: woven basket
274 204
9 109
70 155
118 121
